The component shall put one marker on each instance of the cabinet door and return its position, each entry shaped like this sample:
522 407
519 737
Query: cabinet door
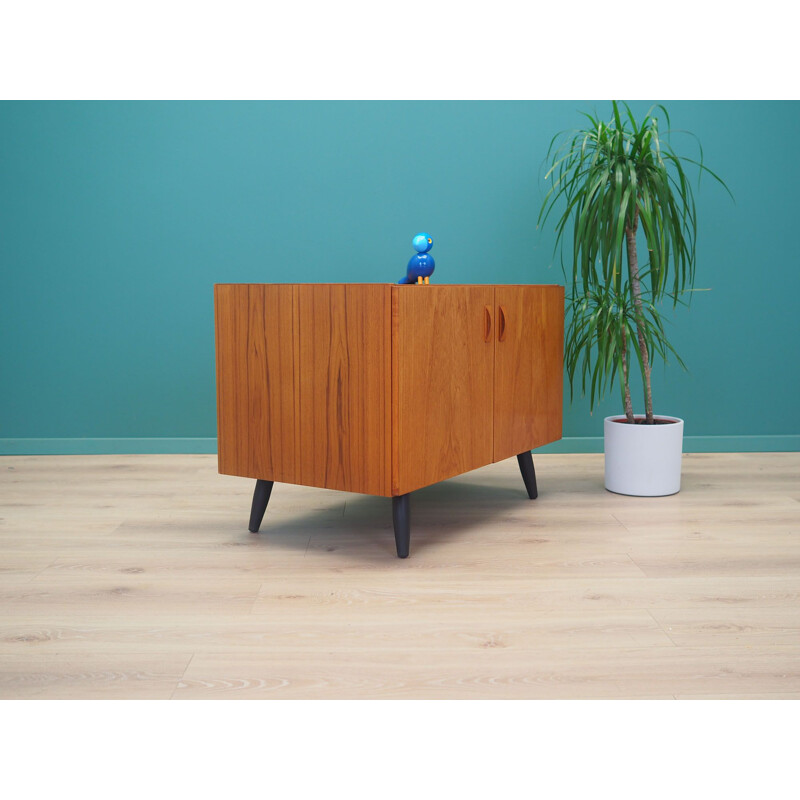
528 376
442 363
255 381
344 379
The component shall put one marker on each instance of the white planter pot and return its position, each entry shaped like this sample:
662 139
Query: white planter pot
643 460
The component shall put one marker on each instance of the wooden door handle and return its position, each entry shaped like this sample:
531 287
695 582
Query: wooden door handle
501 323
487 324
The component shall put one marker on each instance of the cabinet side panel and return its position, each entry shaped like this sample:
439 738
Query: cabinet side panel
388 378
528 369
225 321
442 384
255 382
344 372
553 364
395 399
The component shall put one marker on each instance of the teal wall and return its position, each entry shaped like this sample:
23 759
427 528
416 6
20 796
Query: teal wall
116 218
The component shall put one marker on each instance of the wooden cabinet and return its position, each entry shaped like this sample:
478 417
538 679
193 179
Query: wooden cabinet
384 389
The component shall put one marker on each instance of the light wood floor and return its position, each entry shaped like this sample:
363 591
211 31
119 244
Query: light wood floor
136 577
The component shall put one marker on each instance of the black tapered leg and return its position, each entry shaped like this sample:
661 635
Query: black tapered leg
260 500
401 516
525 461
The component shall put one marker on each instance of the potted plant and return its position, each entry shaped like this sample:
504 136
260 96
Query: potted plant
618 185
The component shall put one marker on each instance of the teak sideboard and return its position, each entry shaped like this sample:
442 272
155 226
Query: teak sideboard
381 388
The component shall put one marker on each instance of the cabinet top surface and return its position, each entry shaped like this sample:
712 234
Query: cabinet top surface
394 285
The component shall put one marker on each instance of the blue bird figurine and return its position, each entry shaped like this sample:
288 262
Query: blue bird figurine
421 265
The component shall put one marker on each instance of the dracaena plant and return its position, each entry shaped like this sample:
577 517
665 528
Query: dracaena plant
611 181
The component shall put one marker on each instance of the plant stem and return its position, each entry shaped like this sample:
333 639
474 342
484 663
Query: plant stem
625 383
636 289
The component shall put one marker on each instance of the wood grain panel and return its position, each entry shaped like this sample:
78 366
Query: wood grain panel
442 415
255 381
344 387
528 376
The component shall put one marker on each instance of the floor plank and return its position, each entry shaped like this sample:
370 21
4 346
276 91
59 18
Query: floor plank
362 629
94 676
495 674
